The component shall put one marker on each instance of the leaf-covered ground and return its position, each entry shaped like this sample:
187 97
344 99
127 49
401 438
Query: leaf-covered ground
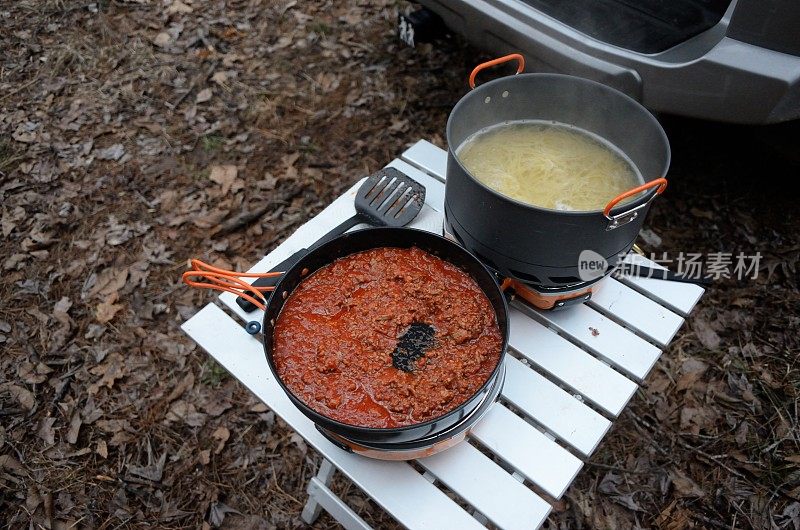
135 134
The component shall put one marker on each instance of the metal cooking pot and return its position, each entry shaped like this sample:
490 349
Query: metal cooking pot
366 239
535 245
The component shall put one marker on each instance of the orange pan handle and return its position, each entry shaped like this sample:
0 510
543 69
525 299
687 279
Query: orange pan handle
198 265
494 62
228 281
220 282
660 182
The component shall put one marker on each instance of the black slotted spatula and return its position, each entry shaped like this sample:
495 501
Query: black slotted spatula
388 197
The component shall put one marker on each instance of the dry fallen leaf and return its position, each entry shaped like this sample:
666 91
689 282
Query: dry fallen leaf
691 371
216 403
693 419
162 39
179 7
685 486
33 500
9 463
204 95
74 428
186 383
33 374
105 311
259 407
705 214
108 282
113 152
111 370
101 448
210 219
91 413
610 486
61 310
23 396
705 333
46 431
218 511
299 442
222 434
154 471
219 77
112 426
25 137
94 331
225 176
15 261
289 161
181 410
120 438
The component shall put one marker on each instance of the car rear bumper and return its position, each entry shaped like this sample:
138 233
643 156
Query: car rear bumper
709 76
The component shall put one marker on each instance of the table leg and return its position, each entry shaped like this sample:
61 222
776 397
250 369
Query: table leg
320 497
312 508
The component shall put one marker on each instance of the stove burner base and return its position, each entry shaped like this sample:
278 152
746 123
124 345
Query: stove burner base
552 301
540 298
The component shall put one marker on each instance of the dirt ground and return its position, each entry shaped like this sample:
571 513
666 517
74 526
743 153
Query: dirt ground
136 134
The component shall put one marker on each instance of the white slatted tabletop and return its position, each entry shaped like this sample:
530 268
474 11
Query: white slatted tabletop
565 384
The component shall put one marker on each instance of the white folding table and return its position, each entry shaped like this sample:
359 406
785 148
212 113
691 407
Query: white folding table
569 375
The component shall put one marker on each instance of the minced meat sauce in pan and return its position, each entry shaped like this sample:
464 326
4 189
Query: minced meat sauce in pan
387 337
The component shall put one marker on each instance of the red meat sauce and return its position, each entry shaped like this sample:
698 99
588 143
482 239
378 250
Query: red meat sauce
335 338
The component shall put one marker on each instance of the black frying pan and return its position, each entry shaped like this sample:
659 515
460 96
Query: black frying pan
366 239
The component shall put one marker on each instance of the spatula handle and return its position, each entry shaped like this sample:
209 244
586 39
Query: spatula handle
287 264
339 230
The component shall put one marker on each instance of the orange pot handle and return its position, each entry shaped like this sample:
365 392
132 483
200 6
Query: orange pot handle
660 182
494 62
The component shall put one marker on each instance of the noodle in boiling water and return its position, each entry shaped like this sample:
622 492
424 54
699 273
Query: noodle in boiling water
548 164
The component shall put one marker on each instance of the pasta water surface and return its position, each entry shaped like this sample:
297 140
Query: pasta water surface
548 164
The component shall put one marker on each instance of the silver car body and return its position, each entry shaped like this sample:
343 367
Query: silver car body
745 69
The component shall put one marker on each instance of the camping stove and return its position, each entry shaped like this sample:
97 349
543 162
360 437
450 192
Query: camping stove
540 296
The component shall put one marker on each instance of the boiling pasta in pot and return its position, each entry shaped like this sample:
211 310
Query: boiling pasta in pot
548 164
